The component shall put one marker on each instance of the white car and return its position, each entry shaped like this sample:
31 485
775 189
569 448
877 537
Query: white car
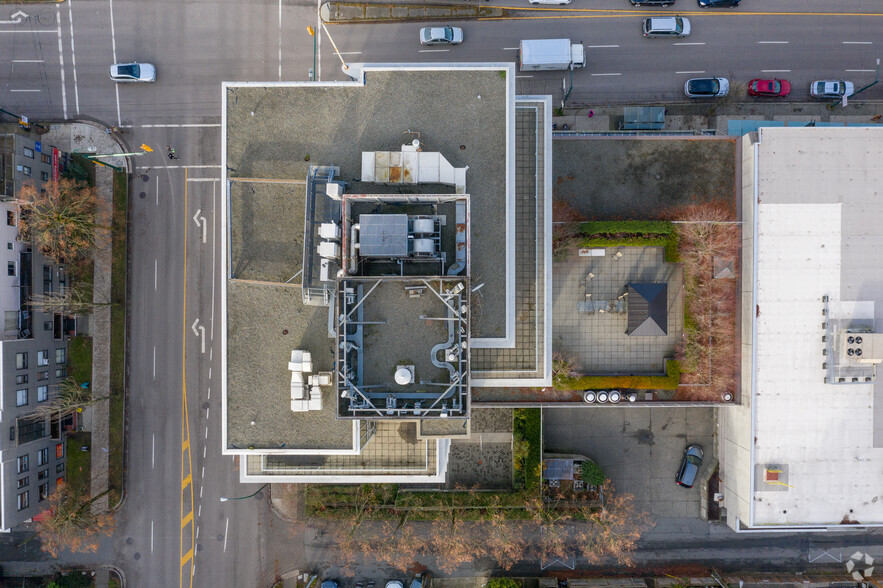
133 72
706 87
558 2
831 89
441 36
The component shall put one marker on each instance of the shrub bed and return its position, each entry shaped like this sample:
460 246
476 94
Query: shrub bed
669 381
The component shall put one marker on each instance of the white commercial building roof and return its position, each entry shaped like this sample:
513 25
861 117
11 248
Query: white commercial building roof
819 233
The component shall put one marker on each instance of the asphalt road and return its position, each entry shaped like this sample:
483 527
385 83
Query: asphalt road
57 57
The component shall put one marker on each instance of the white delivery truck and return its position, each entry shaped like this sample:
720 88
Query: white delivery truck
550 54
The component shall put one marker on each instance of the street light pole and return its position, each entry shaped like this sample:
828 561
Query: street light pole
875 82
225 499
313 71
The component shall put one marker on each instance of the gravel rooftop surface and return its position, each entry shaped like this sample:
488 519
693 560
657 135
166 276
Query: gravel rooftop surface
277 132
266 230
258 380
641 179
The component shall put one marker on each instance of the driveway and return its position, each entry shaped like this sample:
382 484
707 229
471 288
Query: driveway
639 449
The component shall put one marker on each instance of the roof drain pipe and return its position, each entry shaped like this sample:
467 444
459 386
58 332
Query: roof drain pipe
354 247
433 355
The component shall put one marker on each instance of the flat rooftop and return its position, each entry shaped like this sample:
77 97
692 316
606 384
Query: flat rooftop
265 322
818 233
276 131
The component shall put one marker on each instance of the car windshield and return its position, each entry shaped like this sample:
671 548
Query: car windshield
694 460
775 86
131 71
679 25
706 86
448 33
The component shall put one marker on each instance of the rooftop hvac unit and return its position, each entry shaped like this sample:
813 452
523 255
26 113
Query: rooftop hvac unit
329 231
329 250
424 248
615 396
333 190
589 396
423 226
602 396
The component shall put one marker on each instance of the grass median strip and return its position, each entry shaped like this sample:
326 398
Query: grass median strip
118 333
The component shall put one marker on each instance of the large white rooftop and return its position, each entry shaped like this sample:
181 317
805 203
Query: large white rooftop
819 233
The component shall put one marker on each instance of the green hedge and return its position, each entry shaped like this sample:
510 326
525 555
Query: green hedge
632 234
640 227
528 427
669 381
592 473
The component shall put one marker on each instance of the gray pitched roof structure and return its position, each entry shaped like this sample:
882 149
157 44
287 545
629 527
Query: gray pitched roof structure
648 312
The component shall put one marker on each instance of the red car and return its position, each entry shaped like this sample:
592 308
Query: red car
775 88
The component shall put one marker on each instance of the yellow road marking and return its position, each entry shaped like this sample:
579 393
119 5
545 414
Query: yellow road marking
186 445
185 482
187 519
187 557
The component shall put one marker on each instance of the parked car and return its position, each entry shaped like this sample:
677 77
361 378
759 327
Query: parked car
706 87
652 2
689 466
666 26
133 72
831 89
328 584
558 2
774 88
441 36
718 3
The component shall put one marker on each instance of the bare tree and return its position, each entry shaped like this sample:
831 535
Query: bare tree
614 530
69 397
59 218
71 524
71 301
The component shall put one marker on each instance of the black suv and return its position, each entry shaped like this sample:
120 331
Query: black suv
652 2
718 3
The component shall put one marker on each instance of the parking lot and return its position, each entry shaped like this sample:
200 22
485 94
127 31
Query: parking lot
639 449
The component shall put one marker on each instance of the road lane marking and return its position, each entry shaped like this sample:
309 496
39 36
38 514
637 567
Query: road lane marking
861 70
690 72
197 533
510 48
157 193
226 526
773 42
201 488
202 179
603 46
350 52
523 76
199 511
113 44
187 519
209 393
70 17
29 31
775 70
153 451
280 40
155 272
204 447
214 248
606 74
24 90
857 42
186 559
434 51
28 61
154 355
688 43
151 536
61 60
206 431
210 373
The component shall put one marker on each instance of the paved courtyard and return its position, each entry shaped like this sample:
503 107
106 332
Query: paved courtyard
590 312
639 449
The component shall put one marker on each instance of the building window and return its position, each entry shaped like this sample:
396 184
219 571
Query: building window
42 393
10 245
21 397
22 482
26 170
44 157
44 491
44 176
21 464
31 428
23 501
10 320
42 357
44 375
21 360
47 325
10 268
59 372
43 457
60 355
43 474
59 467
21 379
29 153
10 218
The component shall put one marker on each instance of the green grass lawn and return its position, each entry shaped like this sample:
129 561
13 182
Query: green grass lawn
80 354
118 333
78 476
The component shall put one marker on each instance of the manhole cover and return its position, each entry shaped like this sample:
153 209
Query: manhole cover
145 178
220 536
129 540
137 556
205 404
142 194
199 547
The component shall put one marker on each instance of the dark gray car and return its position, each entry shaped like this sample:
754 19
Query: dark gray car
689 466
